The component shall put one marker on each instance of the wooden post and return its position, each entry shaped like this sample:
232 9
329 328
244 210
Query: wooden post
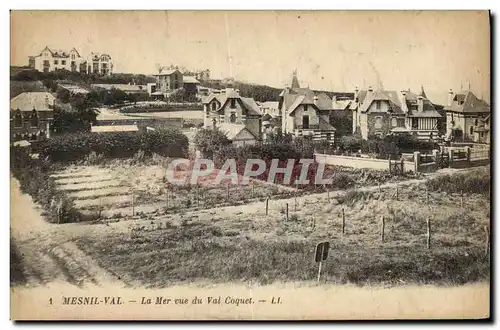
487 246
197 195
100 207
382 229
343 222
461 198
253 190
166 208
228 191
295 199
397 192
428 233
328 195
286 211
267 206
427 195
319 271
379 188
133 200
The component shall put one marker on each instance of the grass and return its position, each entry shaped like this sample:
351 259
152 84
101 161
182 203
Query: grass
251 247
476 181
16 265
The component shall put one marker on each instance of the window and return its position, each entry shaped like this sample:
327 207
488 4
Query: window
305 122
63 62
233 103
394 122
232 117
305 107
414 123
56 62
377 105
471 130
214 106
72 56
328 136
18 119
378 122
475 122
34 119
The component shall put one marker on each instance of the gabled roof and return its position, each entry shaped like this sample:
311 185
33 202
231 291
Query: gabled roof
471 104
232 130
324 125
167 72
340 105
324 102
248 103
27 101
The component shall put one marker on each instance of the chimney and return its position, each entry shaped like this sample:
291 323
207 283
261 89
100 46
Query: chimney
450 97
356 93
237 91
403 95
420 103
370 91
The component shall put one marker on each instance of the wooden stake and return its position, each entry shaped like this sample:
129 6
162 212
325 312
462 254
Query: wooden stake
379 188
343 222
428 233
319 271
487 246
100 207
228 191
267 206
461 198
295 199
286 211
133 201
397 192
382 229
328 194
427 195
253 192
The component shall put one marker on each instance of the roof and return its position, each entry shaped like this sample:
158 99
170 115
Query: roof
269 104
167 72
324 125
114 128
190 80
74 89
22 143
341 104
27 101
248 102
471 104
324 102
400 102
232 130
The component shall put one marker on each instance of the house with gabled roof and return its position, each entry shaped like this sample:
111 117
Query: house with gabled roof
467 117
379 112
30 116
51 59
305 114
232 112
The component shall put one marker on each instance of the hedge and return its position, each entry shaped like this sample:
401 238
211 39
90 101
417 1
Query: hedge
72 147
34 179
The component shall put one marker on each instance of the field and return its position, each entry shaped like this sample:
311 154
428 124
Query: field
120 189
243 244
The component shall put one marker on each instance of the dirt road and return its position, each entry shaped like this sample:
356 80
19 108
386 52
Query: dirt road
47 251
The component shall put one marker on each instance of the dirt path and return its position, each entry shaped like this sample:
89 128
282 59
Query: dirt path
47 251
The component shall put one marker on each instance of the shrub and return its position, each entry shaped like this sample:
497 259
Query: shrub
209 141
476 182
71 147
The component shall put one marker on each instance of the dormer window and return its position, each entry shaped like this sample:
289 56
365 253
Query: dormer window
233 103
305 107
377 105
214 106
232 117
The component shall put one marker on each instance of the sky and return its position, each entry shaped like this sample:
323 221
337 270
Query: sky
331 50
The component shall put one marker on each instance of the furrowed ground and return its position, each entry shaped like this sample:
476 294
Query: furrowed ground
242 243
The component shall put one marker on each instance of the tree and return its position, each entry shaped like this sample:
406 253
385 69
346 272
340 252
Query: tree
63 95
209 141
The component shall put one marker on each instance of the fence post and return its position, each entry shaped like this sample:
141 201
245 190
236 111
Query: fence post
133 202
382 229
286 211
461 198
416 159
343 222
267 205
100 207
428 233
467 152
227 191
166 207
402 166
450 156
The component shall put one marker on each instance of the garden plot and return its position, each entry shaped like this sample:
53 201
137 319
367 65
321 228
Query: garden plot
122 189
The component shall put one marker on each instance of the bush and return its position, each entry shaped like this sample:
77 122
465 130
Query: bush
476 182
210 141
33 176
71 147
